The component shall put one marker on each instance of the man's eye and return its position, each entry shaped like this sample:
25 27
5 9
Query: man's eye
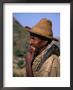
32 37
35 38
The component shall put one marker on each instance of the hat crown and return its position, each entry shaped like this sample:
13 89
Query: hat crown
43 28
44 24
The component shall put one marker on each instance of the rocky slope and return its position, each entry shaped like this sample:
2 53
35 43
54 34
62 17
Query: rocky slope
20 48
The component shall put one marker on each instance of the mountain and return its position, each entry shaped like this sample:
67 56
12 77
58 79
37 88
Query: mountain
20 38
20 48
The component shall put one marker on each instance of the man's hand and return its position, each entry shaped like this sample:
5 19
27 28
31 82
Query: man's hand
30 55
29 58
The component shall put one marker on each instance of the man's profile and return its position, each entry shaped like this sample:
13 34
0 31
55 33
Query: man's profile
39 64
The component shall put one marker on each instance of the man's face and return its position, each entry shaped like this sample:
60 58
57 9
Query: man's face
36 42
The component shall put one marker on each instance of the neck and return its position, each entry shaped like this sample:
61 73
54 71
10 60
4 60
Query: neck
38 51
42 49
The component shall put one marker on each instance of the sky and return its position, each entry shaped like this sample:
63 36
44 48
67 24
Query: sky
31 19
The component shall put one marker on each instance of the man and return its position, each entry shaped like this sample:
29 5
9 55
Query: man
41 36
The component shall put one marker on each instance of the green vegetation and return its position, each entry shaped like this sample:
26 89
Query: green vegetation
20 39
21 64
18 53
20 49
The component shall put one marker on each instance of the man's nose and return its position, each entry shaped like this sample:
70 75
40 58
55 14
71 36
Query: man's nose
31 41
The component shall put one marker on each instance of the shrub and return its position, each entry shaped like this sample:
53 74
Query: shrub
21 64
18 53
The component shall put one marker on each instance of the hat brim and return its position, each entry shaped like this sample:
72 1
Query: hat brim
52 38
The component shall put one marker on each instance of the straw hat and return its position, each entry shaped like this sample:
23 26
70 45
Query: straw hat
43 28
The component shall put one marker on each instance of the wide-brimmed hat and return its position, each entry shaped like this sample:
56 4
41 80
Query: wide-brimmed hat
43 28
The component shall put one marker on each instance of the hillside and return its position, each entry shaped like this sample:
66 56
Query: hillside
20 48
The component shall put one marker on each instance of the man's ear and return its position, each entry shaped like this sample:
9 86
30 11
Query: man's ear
45 43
